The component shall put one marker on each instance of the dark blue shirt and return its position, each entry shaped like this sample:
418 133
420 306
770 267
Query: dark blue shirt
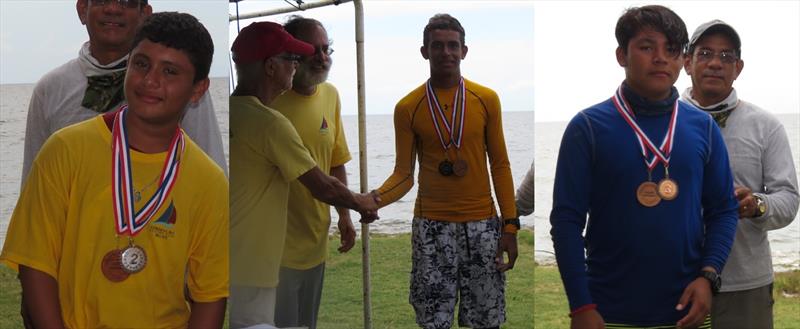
638 260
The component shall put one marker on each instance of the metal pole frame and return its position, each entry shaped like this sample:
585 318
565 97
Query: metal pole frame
362 128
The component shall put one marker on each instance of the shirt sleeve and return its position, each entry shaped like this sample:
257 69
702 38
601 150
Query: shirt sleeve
402 178
36 229
200 123
341 154
780 182
571 194
208 277
525 194
284 147
498 160
720 208
36 130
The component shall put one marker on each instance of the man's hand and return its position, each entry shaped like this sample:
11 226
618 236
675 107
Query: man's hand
347 234
373 199
508 244
698 293
590 319
747 203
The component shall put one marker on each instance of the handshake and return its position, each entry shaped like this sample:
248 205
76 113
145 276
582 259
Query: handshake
367 206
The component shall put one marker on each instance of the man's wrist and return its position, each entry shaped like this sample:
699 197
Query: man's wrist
582 309
511 225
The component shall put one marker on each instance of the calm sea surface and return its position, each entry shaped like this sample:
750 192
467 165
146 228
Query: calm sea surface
396 218
785 242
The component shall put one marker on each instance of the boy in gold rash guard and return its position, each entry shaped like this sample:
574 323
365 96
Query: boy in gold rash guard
450 125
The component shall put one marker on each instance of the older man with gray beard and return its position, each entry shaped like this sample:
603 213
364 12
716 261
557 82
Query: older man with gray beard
313 108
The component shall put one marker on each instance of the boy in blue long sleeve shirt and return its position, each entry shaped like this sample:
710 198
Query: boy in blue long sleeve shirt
652 174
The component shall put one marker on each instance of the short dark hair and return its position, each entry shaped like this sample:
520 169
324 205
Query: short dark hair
183 32
297 23
656 17
442 22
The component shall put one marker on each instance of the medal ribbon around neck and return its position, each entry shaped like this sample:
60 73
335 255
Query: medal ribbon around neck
460 106
128 222
661 153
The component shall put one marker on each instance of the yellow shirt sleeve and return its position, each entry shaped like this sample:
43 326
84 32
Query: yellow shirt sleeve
498 160
36 229
402 178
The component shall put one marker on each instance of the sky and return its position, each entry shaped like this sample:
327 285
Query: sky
499 35
37 36
553 57
575 65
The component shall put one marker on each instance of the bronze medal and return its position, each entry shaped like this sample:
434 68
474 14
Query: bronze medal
647 194
460 168
446 168
667 189
133 259
112 266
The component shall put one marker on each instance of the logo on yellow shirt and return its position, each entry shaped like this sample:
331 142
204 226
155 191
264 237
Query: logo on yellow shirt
323 129
162 227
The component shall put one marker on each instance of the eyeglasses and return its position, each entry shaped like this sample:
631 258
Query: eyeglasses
727 57
327 50
132 4
290 57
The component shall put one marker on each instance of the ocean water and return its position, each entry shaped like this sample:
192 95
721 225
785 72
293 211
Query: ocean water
785 242
395 218
14 99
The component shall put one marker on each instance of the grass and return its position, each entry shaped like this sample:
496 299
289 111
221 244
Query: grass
552 309
341 305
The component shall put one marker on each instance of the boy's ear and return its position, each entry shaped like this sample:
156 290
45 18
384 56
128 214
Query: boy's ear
199 88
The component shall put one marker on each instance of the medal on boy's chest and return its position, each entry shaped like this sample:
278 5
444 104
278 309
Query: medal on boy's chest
119 263
452 131
648 193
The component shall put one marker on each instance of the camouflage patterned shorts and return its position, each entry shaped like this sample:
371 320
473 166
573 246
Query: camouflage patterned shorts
451 260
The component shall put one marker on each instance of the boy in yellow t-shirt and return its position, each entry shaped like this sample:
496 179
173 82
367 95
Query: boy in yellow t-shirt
122 212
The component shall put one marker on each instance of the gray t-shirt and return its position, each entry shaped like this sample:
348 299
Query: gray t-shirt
56 103
761 160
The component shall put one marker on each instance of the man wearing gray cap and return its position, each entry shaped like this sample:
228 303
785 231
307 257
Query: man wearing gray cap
267 155
763 171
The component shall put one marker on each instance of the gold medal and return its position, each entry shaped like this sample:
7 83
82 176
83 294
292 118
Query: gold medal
460 168
667 189
133 259
647 194
112 266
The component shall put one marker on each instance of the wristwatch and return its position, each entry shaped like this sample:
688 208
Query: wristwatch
511 225
713 278
761 206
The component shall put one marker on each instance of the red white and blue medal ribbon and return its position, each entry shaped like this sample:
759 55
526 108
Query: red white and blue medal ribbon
128 221
455 127
660 154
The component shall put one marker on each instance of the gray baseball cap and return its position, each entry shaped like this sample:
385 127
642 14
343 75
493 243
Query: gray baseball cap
713 27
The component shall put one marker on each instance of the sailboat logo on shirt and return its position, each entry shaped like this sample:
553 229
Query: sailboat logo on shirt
168 218
323 128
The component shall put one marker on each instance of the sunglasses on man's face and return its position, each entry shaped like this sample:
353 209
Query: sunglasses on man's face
123 3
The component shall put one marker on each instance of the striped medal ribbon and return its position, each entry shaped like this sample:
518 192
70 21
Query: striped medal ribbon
453 129
649 193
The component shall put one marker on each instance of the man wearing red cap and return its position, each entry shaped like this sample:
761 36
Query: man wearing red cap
266 156
313 107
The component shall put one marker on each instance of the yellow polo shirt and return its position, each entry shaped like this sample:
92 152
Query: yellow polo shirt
317 120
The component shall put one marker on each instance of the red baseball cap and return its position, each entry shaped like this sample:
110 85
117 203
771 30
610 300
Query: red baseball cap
262 40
